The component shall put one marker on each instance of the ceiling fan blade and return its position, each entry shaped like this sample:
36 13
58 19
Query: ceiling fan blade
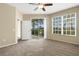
49 4
34 3
36 8
43 9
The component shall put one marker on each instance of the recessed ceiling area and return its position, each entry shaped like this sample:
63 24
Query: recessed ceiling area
27 8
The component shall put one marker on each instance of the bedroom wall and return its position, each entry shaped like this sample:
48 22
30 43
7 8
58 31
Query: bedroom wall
37 16
64 38
7 25
33 16
50 35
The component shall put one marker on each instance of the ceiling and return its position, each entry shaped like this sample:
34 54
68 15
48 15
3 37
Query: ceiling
26 8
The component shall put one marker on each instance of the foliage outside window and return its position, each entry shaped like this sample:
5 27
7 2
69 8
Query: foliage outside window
65 25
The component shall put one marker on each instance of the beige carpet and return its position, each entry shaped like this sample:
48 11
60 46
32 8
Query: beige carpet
40 47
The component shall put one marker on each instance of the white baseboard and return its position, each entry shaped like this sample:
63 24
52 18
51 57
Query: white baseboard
66 42
8 45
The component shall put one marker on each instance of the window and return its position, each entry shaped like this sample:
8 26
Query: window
57 25
65 25
69 24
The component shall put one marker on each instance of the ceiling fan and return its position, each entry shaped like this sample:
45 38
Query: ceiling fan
41 5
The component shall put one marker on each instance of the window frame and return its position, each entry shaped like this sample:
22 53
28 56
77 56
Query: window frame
62 25
53 26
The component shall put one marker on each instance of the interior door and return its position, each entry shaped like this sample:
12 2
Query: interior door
26 30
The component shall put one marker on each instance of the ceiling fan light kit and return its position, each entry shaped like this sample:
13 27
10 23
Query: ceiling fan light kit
41 5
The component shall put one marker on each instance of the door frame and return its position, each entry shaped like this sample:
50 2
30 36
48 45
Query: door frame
45 26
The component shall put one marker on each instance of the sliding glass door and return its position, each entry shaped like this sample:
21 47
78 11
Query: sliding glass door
37 28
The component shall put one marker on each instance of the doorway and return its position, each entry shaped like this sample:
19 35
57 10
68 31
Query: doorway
37 28
26 30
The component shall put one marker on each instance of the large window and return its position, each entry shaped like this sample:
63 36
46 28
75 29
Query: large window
69 24
57 25
65 25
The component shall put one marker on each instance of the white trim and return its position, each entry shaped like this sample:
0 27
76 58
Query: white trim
7 45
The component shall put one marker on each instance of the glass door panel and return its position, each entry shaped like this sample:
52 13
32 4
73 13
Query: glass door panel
37 28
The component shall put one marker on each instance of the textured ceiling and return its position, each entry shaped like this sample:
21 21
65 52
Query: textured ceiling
26 8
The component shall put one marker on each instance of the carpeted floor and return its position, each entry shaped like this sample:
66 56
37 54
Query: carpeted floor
40 47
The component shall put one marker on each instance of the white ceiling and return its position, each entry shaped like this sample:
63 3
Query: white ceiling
26 8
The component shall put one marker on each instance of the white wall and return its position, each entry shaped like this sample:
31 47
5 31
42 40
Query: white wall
38 16
7 25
